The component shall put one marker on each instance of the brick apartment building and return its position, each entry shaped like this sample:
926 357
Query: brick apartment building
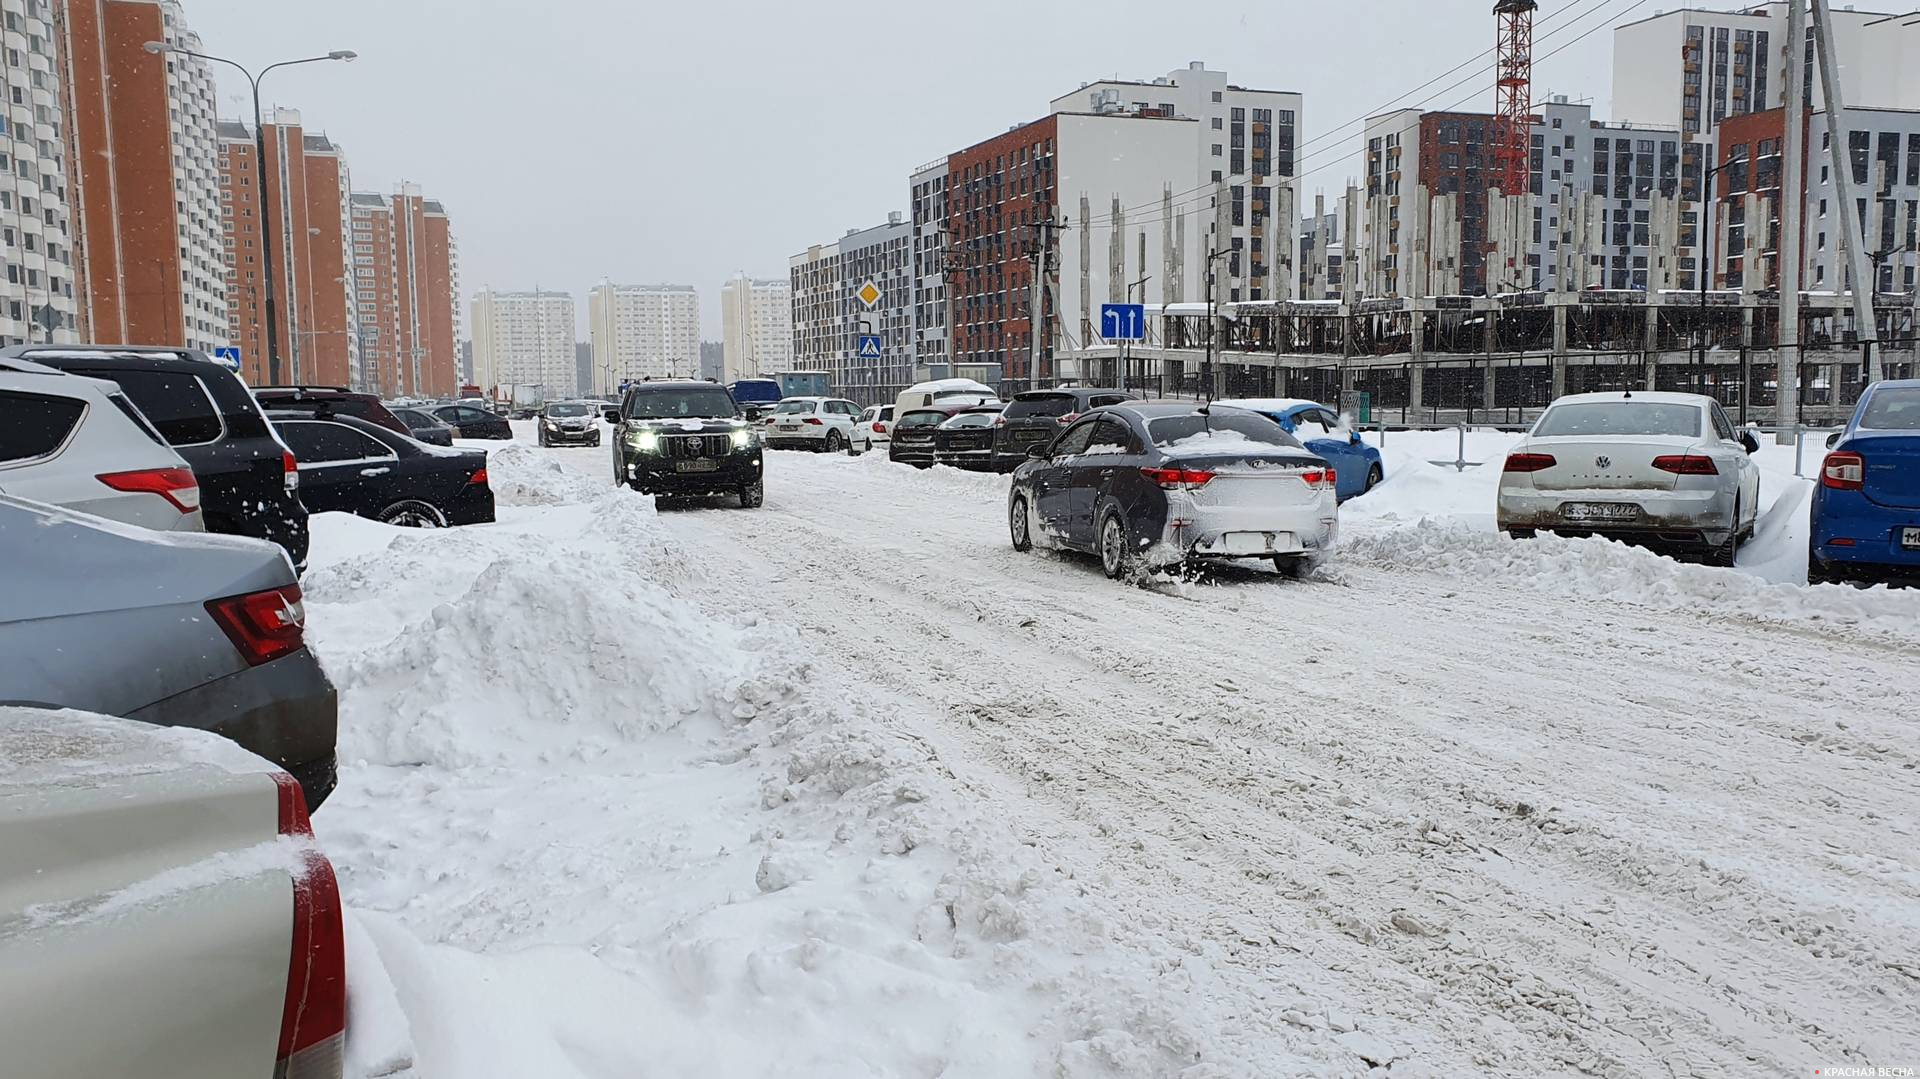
308 187
426 290
998 193
141 150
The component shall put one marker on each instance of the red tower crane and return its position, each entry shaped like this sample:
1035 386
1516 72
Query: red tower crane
1513 96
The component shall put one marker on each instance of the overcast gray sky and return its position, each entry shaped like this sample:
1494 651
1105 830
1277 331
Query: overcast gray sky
680 142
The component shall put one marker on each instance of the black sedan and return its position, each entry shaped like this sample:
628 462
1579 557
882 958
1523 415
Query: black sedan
425 427
966 440
1149 485
351 466
470 422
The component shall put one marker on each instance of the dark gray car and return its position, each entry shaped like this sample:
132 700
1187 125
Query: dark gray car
198 631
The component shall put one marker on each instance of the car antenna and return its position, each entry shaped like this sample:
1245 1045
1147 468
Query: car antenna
1629 395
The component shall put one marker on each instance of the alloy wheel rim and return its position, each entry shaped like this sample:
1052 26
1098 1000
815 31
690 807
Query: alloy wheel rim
1020 520
1110 543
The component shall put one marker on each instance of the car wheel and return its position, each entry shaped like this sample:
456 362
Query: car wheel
412 514
855 451
1020 523
1519 533
753 495
1293 566
1374 476
835 442
1729 552
1115 557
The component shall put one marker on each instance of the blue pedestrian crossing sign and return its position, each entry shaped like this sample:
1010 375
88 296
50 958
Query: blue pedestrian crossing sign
228 357
869 347
1123 321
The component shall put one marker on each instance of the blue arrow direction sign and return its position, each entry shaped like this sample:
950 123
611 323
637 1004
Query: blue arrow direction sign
869 347
1123 321
228 358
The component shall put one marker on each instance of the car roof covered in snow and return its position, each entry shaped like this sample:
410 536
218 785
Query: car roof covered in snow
1154 410
937 385
675 384
1270 404
1648 397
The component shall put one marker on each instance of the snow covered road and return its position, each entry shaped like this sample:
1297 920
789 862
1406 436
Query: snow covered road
846 786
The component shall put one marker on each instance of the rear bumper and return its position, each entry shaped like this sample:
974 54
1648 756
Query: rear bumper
285 711
1855 537
1674 518
797 440
475 507
973 460
912 453
1195 531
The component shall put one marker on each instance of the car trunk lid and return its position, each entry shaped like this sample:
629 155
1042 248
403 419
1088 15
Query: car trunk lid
1256 480
1608 462
1892 473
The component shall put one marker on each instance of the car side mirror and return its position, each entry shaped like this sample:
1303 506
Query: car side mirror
1039 452
1833 440
1751 443
1353 437
611 415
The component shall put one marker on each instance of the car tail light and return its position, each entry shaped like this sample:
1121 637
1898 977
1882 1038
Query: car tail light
1185 479
814 420
479 477
1688 464
1319 479
1069 418
290 470
1000 420
1530 462
176 485
313 1016
879 427
263 625
1844 471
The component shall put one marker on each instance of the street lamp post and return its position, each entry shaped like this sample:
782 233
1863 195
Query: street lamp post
260 172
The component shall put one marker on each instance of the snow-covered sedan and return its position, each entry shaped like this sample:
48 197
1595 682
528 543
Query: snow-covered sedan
1150 485
1666 470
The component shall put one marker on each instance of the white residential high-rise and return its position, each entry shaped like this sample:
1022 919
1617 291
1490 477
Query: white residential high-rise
756 318
643 331
37 294
1245 144
820 314
524 338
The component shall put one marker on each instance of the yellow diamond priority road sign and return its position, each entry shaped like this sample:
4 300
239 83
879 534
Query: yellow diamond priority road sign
868 294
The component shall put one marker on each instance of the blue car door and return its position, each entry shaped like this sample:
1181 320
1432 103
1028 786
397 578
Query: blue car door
1317 429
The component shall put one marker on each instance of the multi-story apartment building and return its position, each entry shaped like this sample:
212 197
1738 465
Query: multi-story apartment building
149 258
37 293
883 256
427 289
929 254
376 294
643 331
820 327
756 321
1120 176
1244 139
1629 228
524 338
308 190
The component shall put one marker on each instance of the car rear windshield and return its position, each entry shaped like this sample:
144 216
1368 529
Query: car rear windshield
790 408
176 403
927 418
1622 417
1219 431
1893 410
700 404
567 410
1041 404
971 419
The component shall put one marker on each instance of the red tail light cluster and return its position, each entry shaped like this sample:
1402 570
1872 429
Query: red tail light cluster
176 485
1530 462
313 1015
1319 479
1178 479
289 470
263 625
1688 464
1069 418
879 427
479 477
814 420
1844 471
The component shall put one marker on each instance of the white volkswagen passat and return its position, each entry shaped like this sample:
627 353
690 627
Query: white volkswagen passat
1666 470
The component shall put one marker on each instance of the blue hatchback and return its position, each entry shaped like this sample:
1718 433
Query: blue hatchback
1866 511
1356 464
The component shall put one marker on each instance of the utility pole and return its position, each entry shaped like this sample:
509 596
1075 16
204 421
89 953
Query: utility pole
1042 259
1852 237
1206 366
1786 408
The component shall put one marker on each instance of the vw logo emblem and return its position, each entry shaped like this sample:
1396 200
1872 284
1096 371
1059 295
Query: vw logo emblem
1603 462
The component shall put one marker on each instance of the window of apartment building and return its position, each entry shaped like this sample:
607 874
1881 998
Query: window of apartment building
1239 115
1216 97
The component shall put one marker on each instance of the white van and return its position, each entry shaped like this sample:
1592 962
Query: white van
946 390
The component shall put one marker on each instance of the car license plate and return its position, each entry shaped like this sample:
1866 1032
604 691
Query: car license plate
696 466
1247 543
1910 538
1601 511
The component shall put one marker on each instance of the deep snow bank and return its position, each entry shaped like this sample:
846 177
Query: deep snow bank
595 822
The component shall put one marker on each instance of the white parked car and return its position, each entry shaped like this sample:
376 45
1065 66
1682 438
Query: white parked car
78 443
163 908
812 423
873 427
1667 470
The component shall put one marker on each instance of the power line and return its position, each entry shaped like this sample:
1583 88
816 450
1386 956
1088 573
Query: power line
1193 206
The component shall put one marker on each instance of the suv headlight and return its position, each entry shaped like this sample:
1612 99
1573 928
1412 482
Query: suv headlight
644 441
742 438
